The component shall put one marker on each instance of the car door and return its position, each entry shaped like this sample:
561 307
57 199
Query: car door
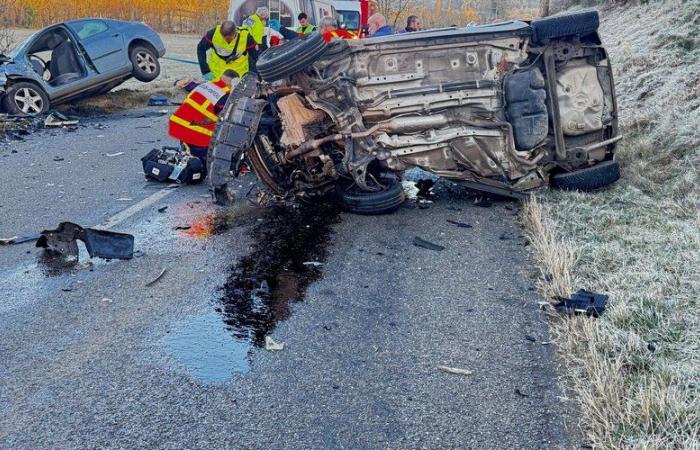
102 44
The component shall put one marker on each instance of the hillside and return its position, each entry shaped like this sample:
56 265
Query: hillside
637 368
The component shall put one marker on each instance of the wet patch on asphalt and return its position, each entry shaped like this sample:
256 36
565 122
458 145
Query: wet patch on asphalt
207 349
287 255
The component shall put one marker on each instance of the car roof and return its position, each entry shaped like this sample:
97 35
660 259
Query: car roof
104 19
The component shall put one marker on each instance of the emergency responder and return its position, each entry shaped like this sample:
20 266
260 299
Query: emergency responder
412 24
329 29
230 49
193 122
255 24
280 34
377 26
304 26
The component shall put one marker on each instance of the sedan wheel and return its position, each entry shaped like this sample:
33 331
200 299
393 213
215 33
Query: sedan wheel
25 98
146 62
29 101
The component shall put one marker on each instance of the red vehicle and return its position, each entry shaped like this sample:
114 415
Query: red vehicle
353 14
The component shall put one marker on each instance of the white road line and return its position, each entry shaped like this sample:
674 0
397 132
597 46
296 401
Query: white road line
135 208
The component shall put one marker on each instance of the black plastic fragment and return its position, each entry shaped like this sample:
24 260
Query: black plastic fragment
583 302
459 224
108 244
100 243
418 242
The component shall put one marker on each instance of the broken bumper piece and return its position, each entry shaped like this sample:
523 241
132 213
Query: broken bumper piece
100 243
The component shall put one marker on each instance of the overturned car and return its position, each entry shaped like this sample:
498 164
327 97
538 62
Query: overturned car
504 108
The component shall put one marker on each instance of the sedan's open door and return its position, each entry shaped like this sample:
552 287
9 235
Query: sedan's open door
103 45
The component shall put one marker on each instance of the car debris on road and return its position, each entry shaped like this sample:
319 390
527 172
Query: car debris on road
422 243
101 243
456 370
156 279
272 345
56 119
15 240
583 302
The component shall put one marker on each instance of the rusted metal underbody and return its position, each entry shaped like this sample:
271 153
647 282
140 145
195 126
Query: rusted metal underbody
450 106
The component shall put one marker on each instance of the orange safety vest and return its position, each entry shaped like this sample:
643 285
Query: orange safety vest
194 121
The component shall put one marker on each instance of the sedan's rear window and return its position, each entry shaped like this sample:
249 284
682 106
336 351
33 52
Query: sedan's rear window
86 28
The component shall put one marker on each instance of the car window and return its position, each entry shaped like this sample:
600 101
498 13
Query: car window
86 28
351 19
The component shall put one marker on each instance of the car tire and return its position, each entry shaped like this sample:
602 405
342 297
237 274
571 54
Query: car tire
25 98
589 179
578 24
284 60
386 201
144 61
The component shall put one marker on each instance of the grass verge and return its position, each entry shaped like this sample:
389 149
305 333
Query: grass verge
636 369
118 100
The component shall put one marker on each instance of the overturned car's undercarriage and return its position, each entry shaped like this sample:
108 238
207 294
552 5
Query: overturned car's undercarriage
504 108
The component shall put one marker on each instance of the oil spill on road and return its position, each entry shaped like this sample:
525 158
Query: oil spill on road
258 291
206 348
262 284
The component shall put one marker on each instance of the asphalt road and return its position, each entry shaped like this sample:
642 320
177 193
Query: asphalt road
92 357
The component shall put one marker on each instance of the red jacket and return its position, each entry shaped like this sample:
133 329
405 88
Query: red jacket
340 33
194 121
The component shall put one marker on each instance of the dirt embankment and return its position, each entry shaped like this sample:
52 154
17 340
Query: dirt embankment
637 368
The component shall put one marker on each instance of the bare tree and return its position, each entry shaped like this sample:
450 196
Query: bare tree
393 10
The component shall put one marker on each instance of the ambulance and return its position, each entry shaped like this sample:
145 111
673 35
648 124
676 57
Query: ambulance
352 14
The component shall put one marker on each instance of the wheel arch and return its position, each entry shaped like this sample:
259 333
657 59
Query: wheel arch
140 41
14 79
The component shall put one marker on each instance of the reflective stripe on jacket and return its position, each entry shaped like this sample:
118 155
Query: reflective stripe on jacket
194 121
228 55
340 33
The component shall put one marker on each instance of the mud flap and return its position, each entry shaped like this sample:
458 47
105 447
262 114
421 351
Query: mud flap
108 244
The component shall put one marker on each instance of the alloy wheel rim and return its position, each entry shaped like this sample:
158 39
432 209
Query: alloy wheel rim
29 101
146 62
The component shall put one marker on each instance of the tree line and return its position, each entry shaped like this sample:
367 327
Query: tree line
173 16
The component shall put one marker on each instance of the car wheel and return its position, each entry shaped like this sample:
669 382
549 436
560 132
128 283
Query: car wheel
578 24
287 59
146 66
26 98
386 201
589 179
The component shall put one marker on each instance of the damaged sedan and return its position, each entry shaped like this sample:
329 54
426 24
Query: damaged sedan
504 108
74 60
